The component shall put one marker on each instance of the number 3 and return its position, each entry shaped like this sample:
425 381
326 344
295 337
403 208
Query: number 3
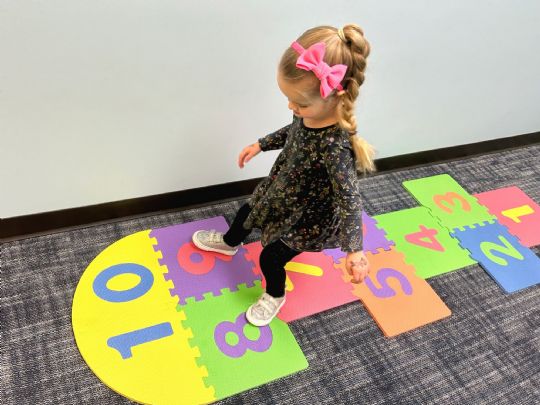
449 198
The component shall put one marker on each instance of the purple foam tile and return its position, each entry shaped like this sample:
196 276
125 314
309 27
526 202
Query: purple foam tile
374 238
335 254
186 263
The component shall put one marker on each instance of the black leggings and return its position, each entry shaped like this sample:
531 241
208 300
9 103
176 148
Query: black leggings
273 257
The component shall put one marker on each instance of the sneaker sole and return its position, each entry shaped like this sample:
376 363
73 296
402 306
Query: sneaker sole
210 249
260 323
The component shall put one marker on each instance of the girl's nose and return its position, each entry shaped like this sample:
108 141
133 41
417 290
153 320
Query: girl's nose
292 106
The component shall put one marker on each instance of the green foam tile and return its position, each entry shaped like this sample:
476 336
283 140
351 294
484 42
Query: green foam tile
427 245
237 355
452 205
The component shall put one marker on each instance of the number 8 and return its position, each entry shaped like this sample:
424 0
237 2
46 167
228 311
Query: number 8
262 344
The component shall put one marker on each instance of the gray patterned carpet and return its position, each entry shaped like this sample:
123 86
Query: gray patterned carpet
487 352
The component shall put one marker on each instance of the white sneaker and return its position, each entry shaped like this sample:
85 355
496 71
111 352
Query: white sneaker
212 241
264 310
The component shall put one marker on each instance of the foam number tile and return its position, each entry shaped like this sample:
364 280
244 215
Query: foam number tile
128 331
397 299
374 239
448 201
237 355
427 245
512 265
313 284
515 210
195 272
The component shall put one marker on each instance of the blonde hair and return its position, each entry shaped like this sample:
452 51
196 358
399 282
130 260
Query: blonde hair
351 52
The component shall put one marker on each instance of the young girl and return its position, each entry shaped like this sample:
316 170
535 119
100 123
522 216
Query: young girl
310 201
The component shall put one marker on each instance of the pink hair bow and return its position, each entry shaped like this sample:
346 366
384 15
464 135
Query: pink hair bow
312 59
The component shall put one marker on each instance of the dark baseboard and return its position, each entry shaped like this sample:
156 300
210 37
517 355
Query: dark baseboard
48 222
410 160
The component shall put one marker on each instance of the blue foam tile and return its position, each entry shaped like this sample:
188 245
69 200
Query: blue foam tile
512 265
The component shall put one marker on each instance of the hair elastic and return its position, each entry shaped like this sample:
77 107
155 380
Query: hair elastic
341 34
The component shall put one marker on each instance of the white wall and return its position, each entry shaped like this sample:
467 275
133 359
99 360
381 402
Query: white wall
107 100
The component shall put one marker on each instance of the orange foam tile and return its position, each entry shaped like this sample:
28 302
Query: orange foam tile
397 299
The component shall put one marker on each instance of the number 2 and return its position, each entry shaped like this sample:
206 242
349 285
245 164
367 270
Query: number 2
507 249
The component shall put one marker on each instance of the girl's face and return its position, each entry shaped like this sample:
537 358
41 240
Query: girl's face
315 110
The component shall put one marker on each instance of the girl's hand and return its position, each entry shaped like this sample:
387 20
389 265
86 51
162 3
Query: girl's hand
247 153
357 266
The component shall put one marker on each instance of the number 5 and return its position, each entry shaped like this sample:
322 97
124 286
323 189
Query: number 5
385 291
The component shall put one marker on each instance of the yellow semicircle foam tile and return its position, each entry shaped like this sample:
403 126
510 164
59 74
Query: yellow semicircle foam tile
128 330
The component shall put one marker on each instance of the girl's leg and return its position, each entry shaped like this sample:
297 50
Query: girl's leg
237 233
273 259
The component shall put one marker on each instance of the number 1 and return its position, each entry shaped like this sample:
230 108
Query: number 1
515 213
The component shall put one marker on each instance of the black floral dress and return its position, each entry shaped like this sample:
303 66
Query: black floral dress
310 200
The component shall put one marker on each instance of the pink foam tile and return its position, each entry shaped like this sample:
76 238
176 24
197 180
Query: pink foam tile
515 210
310 294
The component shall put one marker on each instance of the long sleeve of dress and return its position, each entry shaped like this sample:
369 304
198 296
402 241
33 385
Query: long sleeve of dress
340 164
275 140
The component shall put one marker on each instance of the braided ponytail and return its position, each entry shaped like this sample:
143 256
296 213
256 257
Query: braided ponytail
359 50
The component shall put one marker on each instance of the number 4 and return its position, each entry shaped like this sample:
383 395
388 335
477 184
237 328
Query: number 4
418 238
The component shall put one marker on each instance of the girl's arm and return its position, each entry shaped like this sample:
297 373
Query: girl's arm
275 140
340 164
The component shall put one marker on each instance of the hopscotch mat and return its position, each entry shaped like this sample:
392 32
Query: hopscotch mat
511 264
161 322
